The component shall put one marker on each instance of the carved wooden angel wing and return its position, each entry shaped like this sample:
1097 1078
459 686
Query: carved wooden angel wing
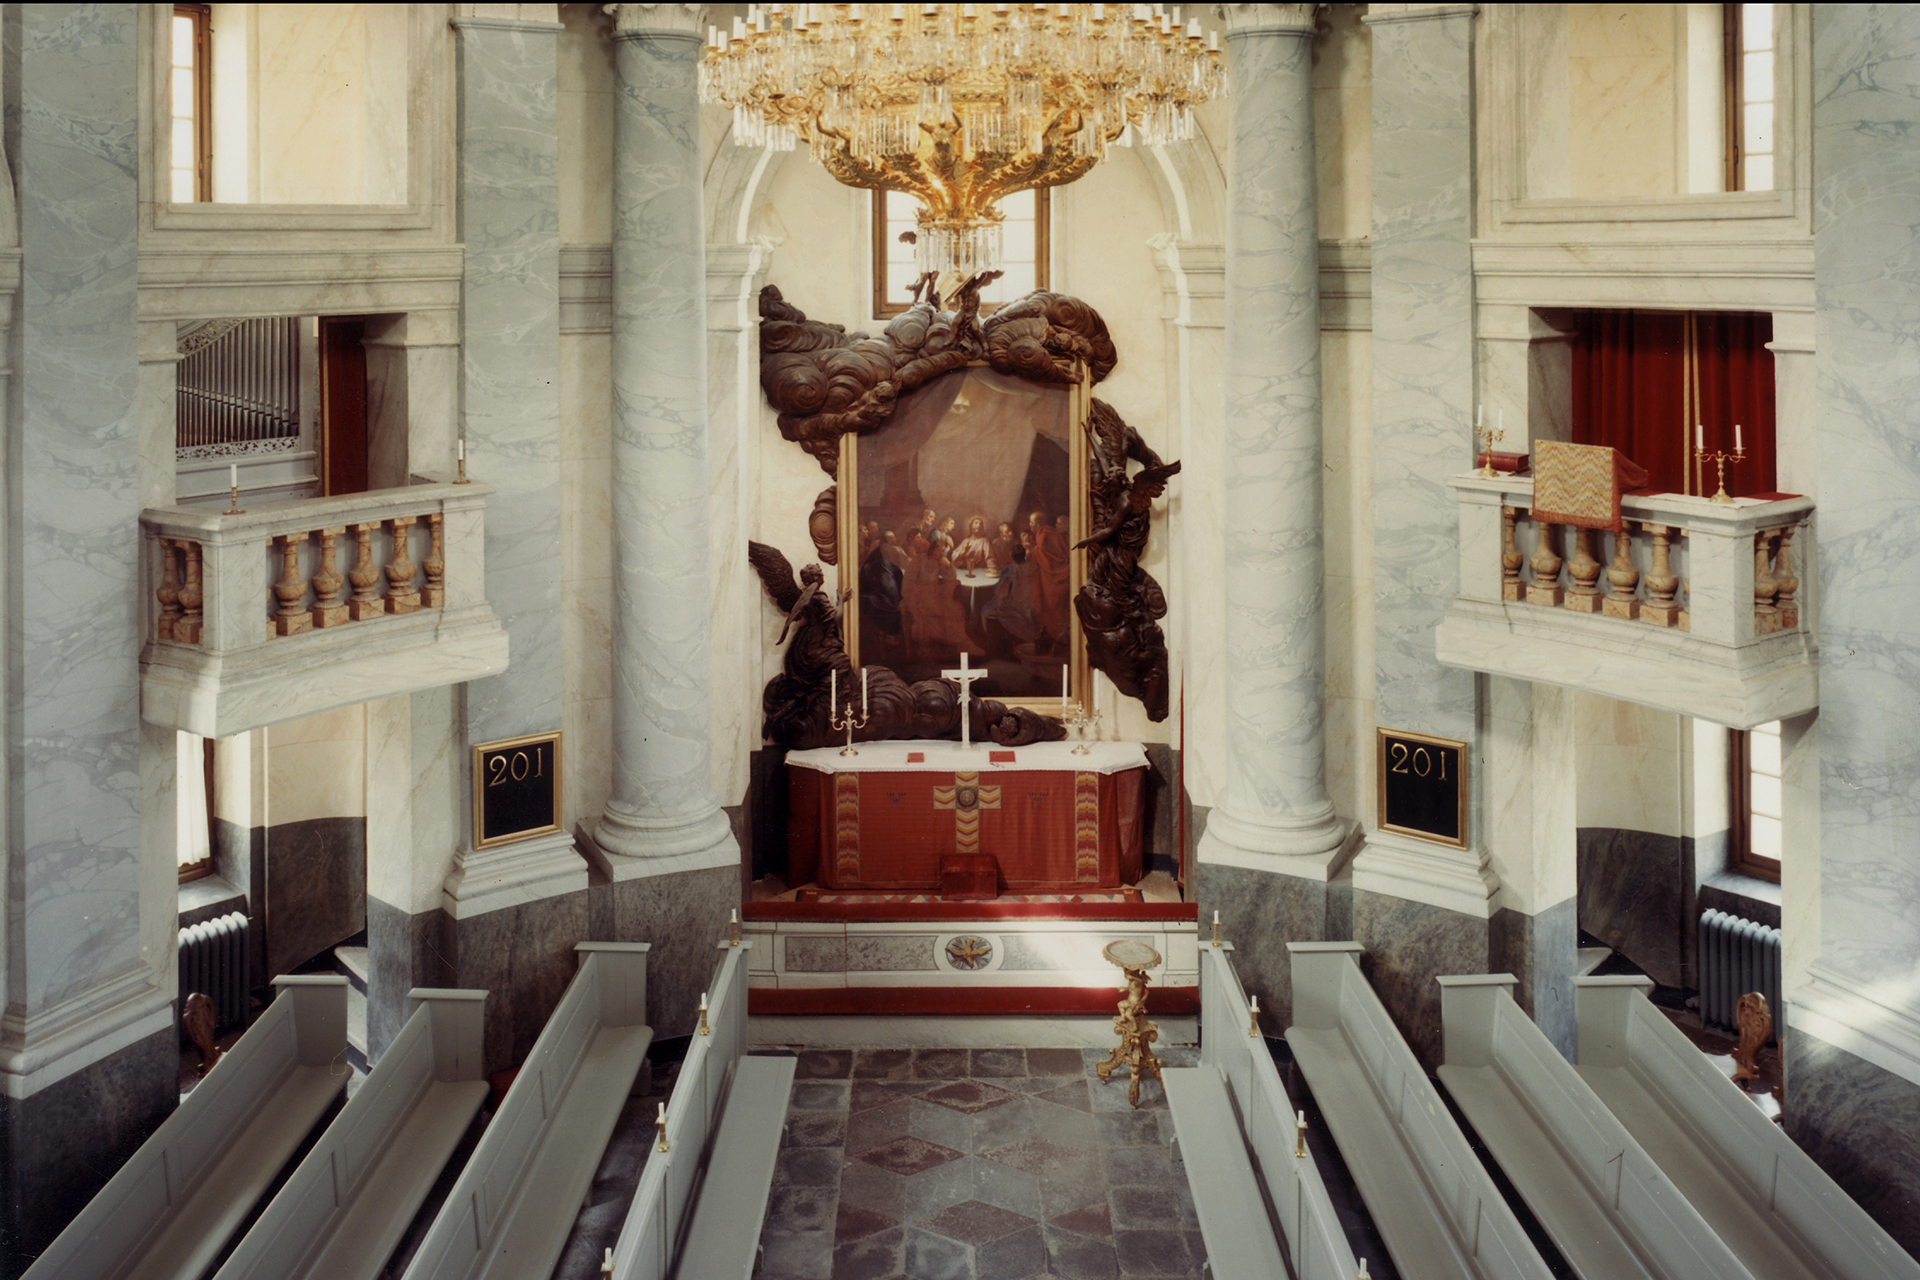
776 574
1150 484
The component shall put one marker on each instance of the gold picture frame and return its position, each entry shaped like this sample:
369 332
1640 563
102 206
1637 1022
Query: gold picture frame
1416 750
530 777
1079 517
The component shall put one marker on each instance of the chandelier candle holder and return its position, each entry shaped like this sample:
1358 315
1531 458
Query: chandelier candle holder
1720 460
960 105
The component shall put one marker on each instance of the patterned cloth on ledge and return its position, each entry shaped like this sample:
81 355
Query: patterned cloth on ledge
1581 484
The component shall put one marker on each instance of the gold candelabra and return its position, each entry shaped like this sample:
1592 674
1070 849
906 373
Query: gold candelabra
1076 724
1487 436
849 723
1720 461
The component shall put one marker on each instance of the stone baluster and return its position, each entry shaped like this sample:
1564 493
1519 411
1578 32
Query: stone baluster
1789 598
1622 578
1659 607
328 610
434 594
187 629
366 602
169 592
401 595
1766 616
291 618
1511 588
1545 587
1584 595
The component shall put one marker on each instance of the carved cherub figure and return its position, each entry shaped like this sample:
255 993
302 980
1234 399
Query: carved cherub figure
199 1021
1756 1025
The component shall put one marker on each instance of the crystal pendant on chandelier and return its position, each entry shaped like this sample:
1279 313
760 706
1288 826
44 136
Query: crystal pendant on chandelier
959 105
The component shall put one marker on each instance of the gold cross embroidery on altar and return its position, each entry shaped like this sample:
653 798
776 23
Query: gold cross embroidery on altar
966 797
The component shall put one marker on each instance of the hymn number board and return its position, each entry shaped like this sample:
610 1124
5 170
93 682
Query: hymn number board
1423 787
516 789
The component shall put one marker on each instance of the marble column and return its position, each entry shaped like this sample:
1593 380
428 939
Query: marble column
667 852
1853 1054
1273 830
1422 908
517 909
87 1052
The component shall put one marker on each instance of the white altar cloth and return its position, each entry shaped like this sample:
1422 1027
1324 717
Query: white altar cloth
951 757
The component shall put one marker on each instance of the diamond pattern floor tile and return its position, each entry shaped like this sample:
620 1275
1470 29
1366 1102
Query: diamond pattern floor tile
1035 1155
908 1156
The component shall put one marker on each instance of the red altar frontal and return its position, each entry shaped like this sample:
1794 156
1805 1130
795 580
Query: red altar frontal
1055 822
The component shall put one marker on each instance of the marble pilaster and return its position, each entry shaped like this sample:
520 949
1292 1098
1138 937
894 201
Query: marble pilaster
79 899
1273 814
1860 994
662 815
510 410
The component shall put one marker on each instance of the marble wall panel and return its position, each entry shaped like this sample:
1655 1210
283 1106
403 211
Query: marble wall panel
74 467
1622 64
1342 138
510 317
404 950
523 957
586 126
1407 945
1866 164
1260 914
1637 895
316 889
683 914
1862 1125
1423 388
316 766
1542 951
59 1147
312 126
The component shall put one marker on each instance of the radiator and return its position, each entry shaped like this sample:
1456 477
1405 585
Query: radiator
213 961
1737 956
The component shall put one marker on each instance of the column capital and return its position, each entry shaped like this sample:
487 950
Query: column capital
1266 19
658 21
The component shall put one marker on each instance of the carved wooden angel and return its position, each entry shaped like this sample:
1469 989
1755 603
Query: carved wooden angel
1756 1026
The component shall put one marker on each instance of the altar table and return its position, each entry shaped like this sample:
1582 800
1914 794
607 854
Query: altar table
882 820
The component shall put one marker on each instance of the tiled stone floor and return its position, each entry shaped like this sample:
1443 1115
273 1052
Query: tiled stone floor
981 1164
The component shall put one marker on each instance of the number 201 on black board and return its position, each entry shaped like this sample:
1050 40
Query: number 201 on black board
516 789
1423 787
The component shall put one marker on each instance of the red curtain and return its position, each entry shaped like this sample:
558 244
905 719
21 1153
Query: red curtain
1643 381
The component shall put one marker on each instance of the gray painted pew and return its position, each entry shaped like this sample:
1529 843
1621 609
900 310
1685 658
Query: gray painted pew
509 1215
1611 1211
1777 1210
704 1228
1431 1200
172 1208
1235 1132
345 1208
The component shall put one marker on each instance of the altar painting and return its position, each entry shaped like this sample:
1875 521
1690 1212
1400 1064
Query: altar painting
964 517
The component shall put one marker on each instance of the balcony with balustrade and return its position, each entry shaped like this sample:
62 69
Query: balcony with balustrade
1698 607
292 608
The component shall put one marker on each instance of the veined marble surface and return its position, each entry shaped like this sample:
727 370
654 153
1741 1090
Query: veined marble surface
1867 163
1275 798
662 799
74 901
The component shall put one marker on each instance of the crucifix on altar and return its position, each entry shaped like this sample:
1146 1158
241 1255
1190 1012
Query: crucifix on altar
965 675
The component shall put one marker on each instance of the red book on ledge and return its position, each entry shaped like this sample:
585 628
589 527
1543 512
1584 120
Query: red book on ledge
1512 463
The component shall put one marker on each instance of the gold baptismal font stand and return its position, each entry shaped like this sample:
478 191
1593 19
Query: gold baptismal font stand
1137 1035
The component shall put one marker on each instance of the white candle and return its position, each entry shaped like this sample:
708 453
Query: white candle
1699 435
1063 686
233 475
703 1002
1301 1120
1216 917
1500 430
863 693
734 916
833 692
663 1111
463 451
1480 415
1736 439
1256 1004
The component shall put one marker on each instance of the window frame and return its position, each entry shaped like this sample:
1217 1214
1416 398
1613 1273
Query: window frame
1740 855
1734 78
203 867
201 15
886 309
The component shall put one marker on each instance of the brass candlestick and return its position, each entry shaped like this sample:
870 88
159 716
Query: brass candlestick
848 723
1300 1136
233 499
1720 461
1487 436
733 929
1137 1035
660 1124
703 1014
1253 1018
1076 724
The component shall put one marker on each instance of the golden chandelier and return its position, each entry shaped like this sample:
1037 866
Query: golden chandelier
960 104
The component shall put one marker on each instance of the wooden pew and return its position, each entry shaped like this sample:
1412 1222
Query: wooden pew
345 1208
1610 1210
172 1208
1431 1200
1234 1127
508 1216
1777 1210
700 1205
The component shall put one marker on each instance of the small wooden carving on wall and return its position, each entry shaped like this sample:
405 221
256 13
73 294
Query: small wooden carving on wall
827 383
